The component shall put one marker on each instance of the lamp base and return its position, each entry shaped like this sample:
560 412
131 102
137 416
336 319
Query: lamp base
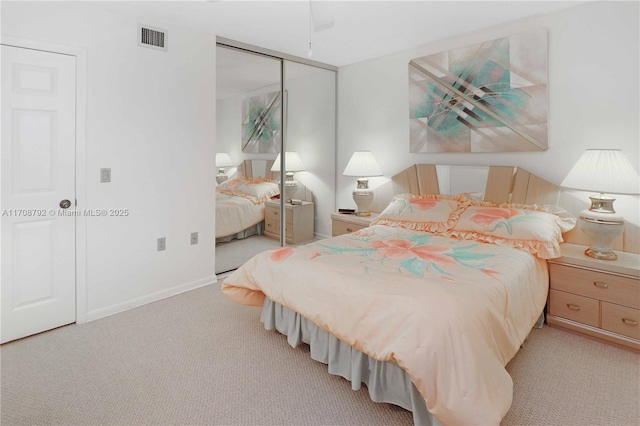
363 198
602 228
601 203
290 186
221 176
606 255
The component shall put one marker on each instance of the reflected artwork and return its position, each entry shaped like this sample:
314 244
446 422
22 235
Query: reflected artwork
261 127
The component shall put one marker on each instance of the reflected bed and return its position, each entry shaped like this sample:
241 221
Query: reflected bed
237 218
240 202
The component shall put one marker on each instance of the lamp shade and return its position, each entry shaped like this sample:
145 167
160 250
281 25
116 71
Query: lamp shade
605 171
362 164
292 162
223 160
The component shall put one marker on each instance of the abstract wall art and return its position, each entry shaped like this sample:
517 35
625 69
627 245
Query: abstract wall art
489 97
261 124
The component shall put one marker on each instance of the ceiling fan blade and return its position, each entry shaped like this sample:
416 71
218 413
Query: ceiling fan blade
322 15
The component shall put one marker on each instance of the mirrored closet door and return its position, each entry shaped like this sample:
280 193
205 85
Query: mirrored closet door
248 138
258 205
310 100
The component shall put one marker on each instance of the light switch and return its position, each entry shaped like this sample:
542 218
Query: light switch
105 175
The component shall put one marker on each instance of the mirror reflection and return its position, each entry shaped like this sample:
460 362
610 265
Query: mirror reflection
256 117
248 137
310 106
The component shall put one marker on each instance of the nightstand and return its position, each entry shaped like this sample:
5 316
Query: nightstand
348 223
298 221
598 298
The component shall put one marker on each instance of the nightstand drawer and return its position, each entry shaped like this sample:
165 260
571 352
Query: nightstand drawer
339 228
272 226
577 308
274 214
298 222
621 320
597 285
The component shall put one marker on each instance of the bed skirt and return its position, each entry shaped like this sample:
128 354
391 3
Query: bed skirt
257 229
385 380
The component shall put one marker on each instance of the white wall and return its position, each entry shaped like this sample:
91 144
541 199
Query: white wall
593 100
151 119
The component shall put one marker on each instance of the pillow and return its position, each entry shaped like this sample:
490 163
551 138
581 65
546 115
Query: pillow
429 213
534 229
227 183
257 190
234 184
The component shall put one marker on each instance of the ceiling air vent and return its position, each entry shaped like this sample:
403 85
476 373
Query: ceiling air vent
154 38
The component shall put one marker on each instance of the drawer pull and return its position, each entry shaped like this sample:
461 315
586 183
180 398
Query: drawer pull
349 230
600 285
573 307
629 321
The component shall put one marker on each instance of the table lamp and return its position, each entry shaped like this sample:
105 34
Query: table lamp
364 165
606 171
292 163
222 160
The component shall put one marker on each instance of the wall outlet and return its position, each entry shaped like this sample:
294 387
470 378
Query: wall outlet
162 243
105 175
194 238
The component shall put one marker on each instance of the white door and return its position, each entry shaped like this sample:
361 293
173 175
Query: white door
38 172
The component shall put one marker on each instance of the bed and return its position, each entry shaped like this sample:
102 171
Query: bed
240 201
428 304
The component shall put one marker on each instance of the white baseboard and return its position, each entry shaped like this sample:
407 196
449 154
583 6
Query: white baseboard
149 298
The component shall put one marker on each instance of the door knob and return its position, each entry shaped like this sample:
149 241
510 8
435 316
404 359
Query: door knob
65 204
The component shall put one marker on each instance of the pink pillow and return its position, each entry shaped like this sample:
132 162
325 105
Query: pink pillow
428 213
530 228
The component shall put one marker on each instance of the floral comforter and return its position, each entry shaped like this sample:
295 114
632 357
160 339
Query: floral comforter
451 313
233 214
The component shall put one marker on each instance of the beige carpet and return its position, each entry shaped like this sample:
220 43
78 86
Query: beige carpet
198 359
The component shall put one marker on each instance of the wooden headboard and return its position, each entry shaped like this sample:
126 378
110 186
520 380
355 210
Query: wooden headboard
247 169
504 183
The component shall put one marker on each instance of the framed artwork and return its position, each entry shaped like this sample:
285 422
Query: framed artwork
489 97
261 124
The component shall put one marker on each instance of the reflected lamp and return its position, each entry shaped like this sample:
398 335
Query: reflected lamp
605 171
363 165
222 160
292 163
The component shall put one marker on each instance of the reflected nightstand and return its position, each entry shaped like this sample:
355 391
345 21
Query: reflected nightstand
298 221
